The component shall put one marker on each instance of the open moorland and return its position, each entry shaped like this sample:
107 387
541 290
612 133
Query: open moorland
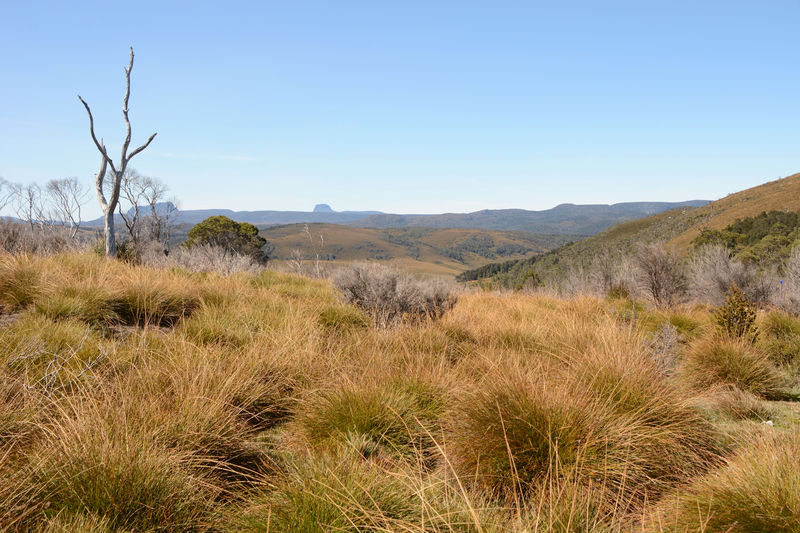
144 399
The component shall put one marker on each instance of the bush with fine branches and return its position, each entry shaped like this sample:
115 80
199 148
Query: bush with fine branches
660 274
713 272
388 296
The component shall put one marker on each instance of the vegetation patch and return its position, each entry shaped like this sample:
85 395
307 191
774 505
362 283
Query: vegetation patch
396 418
755 491
721 360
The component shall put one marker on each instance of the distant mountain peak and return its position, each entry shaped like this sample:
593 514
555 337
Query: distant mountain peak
323 208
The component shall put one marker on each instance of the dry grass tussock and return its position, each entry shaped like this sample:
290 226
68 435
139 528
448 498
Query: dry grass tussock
151 399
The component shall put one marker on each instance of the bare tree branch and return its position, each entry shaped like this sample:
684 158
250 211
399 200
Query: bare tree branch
142 147
99 144
127 142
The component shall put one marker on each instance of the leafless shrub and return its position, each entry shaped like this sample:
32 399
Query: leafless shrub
578 280
145 209
295 261
6 192
28 204
788 293
713 272
65 198
659 274
314 266
389 296
17 238
608 274
201 258
663 346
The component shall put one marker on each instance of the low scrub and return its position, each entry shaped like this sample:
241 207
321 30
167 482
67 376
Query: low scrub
271 405
202 258
389 297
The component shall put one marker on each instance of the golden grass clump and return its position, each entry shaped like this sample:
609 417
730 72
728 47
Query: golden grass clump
512 431
758 490
90 463
780 338
398 417
723 360
20 282
339 492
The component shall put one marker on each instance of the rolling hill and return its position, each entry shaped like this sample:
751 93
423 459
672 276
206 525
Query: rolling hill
420 250
677 228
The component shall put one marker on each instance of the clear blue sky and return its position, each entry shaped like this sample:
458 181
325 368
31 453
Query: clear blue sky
409 106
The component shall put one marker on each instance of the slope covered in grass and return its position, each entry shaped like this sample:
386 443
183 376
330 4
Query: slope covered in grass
677 228
134 399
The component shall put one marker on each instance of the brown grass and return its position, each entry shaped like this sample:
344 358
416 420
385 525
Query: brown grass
142 399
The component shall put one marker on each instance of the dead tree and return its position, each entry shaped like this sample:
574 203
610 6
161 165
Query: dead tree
67 196
29 206
139 192
109 205
6 193
133 188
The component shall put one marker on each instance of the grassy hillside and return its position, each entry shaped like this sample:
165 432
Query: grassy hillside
677 228
419 250
134 399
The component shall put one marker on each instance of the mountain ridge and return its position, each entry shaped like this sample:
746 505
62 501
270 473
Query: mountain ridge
565 219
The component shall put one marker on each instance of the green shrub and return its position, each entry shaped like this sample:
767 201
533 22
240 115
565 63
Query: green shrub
220 231
737 316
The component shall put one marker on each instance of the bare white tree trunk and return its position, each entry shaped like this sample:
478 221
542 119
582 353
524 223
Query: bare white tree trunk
109 205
